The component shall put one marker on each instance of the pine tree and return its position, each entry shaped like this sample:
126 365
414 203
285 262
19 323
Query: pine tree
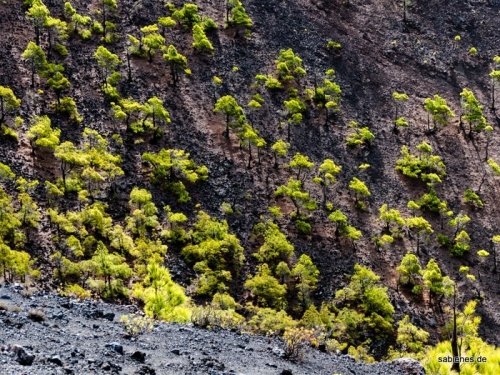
171 165
163 299
107 61
391 216
420 227
472 112
399 100
410 338
300 198
57 32
289 66
360 136
495 80
280 148
155 110
41 134
439 286
276 246
361 192
295 108
152 40
364 289
439 110
328 172
107 6
300 163
200 40
166 22
215 253
409 270
36 59
266 288
307 275
177 63
58 82
239 17
235 117
8 102
38 14
112 268
187 15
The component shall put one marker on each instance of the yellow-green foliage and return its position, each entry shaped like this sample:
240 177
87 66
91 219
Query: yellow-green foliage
276 246
365 291
219 314
214 252
470 344
266 288
296 340
289 66
430 168
136 325
162 298
360 136
267 321
438 109
171 165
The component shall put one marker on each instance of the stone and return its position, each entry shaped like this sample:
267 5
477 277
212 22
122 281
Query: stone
117 347
106 366
56 359
109 316
286 372
145 370
23 356
5 296
175 351
139 356
409 366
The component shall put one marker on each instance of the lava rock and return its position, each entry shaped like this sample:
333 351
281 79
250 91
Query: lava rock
145 370
116 347
409 366
109 316
56 359
139 356
23 356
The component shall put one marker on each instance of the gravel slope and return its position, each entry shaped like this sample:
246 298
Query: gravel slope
87 338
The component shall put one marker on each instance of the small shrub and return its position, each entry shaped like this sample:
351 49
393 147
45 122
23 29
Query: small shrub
303 226
136 325
226 208
443 240
296 340
36 315
76 291
471 197
4 306
333 45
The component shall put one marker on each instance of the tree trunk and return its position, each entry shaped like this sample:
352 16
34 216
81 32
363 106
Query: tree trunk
2 112
227 127
454 343
129 77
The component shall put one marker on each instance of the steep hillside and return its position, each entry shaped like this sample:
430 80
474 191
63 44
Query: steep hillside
441 48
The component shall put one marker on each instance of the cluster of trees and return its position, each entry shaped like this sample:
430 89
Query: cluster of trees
19 216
